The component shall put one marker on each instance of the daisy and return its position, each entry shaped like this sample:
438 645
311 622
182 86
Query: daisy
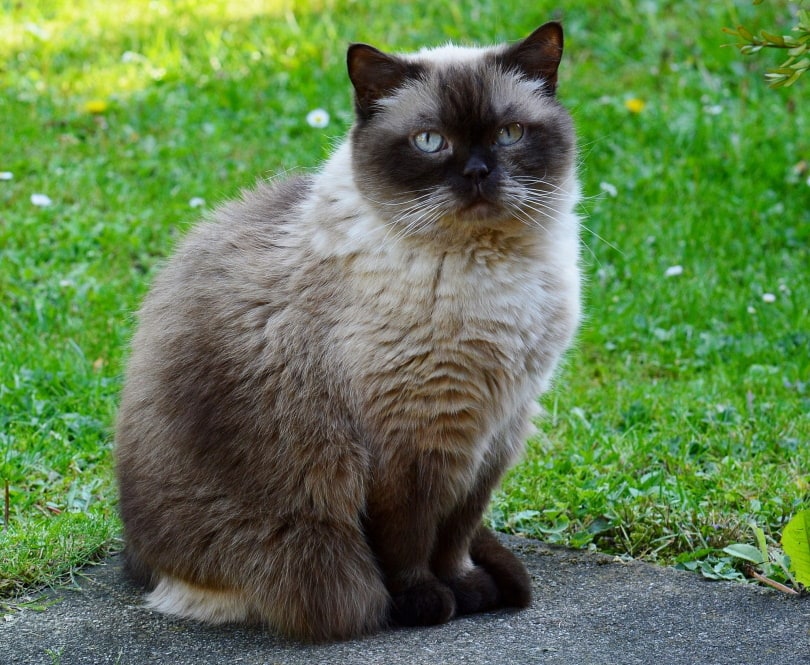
318 118
41 200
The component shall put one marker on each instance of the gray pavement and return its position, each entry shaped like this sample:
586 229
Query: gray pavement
587 609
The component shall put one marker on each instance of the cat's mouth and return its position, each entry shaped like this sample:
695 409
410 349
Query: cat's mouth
481 200
480 207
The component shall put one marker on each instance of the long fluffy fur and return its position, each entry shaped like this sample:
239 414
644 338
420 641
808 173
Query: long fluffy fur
330 376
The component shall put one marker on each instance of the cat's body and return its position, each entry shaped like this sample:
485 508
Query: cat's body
330 377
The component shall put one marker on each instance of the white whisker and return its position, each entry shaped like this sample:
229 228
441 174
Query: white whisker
601 239
424 194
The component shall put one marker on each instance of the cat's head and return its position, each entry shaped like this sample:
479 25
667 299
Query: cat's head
455 136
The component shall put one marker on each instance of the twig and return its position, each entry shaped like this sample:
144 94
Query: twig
766 580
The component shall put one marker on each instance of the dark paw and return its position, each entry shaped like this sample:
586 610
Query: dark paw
514 585
507 571
425 604
476 591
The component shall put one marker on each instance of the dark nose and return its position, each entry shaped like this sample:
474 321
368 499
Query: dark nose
476 168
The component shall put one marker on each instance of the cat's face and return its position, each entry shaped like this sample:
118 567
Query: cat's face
454 136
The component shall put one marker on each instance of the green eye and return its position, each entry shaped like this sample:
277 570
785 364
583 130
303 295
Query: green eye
429 141
509 134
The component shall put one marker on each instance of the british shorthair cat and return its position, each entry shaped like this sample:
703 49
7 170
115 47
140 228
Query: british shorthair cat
331 374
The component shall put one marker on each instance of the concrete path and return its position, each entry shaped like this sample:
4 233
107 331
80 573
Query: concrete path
588 609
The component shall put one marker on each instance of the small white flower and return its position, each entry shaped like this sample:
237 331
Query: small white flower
318 118
673 271
128 57
768 297
713 109
197 202
609 189
6 175
751 310
41 200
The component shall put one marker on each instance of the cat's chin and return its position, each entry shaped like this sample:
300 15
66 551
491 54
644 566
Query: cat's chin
480 210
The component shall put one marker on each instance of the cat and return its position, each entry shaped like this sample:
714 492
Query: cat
331 375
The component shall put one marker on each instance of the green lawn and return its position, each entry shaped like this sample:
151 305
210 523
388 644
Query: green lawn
682 415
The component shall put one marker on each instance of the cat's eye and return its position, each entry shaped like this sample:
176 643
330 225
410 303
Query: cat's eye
429 141
509 134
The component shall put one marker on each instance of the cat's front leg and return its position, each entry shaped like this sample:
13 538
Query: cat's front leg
418 597
482 573
474 588
402 522
506 570
493 577
426 603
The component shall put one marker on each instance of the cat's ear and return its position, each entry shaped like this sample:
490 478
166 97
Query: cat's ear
375 75
538 56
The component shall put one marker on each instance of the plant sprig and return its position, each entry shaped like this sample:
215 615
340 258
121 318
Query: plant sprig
797 46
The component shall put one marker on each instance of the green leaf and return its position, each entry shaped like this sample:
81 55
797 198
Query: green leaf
745 34
746 552
524 516
720 570
796 543
776 40
792 79
761 542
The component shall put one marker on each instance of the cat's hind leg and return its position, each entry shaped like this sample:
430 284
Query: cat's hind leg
137 571
320 582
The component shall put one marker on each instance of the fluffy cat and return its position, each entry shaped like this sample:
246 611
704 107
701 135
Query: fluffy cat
330 375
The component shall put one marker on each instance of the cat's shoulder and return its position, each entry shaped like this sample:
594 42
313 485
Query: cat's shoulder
243 234
267 200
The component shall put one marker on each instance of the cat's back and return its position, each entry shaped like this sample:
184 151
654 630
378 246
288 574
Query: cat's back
201 326
251 238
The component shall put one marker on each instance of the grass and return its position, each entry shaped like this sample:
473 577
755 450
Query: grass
682 415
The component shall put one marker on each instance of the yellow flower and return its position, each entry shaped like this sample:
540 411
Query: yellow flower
635 105
96 106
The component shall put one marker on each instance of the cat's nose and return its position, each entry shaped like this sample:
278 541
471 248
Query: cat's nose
476 168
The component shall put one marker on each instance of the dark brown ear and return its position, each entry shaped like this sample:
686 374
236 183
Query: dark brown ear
538 56
375 75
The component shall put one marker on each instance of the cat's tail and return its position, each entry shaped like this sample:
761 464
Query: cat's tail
314 581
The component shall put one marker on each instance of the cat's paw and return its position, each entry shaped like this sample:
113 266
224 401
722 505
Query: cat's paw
506 570
475 591
425 604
